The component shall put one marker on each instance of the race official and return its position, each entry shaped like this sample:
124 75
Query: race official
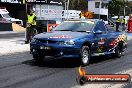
117 24
31 26
123 24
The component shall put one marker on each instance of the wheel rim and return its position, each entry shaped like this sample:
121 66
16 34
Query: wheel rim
119 52
85 57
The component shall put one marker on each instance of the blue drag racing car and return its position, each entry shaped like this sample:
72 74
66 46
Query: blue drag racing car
79 39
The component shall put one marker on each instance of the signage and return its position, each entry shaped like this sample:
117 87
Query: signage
54 2
36 1
50 27
11 1
48 13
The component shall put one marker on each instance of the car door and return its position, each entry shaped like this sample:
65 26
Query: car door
100 38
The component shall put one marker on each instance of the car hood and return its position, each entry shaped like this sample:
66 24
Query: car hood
60 35
13 19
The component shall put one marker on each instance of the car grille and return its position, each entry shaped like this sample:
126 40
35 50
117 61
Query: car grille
46 41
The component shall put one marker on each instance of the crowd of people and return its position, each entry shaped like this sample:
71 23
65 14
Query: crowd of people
126 25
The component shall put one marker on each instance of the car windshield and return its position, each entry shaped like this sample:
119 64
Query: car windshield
6 16
75 26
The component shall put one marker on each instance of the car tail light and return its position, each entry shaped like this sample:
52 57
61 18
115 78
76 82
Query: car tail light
113 42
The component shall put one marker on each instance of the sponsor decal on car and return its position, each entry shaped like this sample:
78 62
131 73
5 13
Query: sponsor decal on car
62 36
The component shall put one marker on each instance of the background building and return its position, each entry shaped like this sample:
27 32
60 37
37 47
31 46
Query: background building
100 9
16 9
47 11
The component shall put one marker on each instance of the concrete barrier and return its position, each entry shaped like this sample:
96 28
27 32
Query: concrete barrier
11 27
18 28
6 27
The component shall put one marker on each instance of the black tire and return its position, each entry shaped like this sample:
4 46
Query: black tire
82 80
38 58
85 55
118 52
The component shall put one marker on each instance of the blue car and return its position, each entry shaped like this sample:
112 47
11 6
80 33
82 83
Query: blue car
79 39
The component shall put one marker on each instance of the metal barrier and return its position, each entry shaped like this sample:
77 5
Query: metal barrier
6 26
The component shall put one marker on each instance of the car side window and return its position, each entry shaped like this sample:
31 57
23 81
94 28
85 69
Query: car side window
100 26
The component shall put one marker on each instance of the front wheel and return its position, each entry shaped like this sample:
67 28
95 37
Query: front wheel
38 58
85 55
82 80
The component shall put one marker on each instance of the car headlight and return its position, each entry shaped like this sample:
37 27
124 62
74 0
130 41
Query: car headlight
71 42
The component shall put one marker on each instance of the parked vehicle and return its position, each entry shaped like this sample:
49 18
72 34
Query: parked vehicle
4 14
81 39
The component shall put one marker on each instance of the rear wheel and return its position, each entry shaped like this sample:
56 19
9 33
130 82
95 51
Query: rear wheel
38 58
118 52
82 80
85 55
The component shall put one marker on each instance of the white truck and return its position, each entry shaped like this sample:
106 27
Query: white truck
4 14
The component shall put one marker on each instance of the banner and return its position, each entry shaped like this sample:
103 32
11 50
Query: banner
51 26
11 1
53 2
48 13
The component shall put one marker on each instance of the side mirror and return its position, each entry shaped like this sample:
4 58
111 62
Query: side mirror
98 32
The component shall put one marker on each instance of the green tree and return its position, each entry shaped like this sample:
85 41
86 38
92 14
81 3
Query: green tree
78 4
115 7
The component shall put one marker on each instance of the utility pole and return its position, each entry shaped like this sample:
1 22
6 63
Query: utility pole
125 1
67 8
124 7
129 8
65 4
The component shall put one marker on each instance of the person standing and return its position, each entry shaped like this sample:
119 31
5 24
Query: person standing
117 24
130 24
31 26
123 24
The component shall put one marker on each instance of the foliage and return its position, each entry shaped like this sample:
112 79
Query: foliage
77 4
115 7
82 5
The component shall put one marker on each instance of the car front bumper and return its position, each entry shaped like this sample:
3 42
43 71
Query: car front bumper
55 50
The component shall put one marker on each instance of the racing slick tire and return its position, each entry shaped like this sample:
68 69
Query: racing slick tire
82 80
118 52
38 58
85 55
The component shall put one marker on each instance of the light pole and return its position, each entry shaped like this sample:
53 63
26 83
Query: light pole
65 4
129 8
124 1
126 6
67 8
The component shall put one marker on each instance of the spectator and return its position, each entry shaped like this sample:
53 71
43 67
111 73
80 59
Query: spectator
123 24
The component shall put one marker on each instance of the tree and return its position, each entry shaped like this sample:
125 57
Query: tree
117 7
78 5
114 7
